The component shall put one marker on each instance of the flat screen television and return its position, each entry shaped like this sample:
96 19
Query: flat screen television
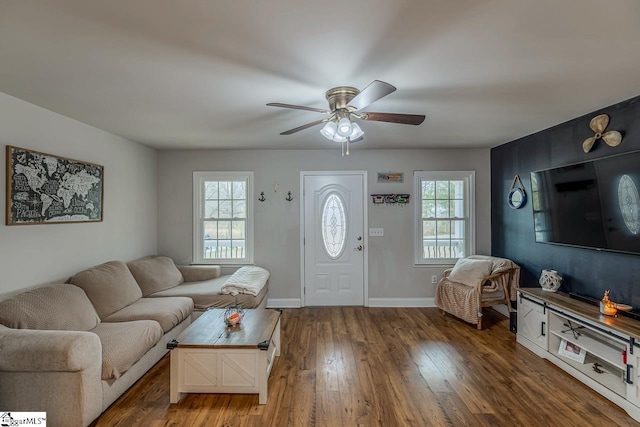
592 204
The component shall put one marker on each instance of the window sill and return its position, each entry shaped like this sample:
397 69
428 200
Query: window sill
435 264
223 263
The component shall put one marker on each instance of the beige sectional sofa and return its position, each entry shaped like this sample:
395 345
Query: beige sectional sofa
72 349
202 284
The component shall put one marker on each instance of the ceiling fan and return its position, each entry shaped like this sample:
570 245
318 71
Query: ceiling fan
345 105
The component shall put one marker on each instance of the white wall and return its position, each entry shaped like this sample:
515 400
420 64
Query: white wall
32 255
277 223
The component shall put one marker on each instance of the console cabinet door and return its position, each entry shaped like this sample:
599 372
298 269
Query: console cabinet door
633 363
532 322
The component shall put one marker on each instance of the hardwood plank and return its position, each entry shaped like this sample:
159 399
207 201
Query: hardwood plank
339 321
353 406
327 360
456 410
303 413
328 412
355 366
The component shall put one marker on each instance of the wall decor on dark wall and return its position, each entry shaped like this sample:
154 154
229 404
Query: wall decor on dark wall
43 188
598 124
587 272
517 197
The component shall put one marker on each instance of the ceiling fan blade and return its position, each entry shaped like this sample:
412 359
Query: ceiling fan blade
370 94
298 107
405 119
303 127
599 123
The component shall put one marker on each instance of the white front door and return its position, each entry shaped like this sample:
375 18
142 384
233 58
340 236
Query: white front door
333 238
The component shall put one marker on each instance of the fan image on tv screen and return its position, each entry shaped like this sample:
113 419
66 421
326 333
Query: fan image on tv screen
593 204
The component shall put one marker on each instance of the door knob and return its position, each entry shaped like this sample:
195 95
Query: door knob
359 238
359 248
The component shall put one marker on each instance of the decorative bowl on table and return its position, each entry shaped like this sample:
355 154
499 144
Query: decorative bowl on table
233 316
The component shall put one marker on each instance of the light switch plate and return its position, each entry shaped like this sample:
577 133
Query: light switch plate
376 232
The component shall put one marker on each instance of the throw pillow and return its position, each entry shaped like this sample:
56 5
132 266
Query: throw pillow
58 307
155 274
470 271
109 286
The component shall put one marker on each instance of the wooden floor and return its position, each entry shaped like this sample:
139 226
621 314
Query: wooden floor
353 366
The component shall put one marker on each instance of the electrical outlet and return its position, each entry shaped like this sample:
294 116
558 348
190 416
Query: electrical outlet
434 279
377 232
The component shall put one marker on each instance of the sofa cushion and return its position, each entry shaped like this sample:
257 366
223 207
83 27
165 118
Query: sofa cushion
199 273
470 271
155 274
168 312
61 307
206 294
124 343
109 286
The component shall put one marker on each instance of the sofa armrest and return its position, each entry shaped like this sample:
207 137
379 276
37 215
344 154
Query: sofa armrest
53 371
26 350
198 273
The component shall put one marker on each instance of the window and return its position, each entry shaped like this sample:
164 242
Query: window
444 216
223 217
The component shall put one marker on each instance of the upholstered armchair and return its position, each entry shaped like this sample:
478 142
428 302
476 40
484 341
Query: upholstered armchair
475 282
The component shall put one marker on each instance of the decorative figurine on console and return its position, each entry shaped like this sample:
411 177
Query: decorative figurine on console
607 306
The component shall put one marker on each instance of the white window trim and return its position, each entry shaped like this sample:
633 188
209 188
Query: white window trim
198 209
470 233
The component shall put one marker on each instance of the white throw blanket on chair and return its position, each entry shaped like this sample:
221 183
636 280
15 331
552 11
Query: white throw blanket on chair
246 280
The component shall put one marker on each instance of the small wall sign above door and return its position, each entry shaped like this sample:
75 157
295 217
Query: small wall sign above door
517 196
391 177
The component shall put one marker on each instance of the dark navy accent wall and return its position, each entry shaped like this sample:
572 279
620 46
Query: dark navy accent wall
585 271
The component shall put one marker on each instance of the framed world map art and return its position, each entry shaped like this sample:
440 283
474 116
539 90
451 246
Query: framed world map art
43 188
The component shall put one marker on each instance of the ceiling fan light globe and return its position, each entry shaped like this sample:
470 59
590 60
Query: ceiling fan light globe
344 127
356 131
329 130
338 138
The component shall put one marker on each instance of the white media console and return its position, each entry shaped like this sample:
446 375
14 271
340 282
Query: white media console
601 351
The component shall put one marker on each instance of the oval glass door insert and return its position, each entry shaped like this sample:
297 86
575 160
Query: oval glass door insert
334 226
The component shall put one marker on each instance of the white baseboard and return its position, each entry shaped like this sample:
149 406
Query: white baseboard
373 302
401 302
284 303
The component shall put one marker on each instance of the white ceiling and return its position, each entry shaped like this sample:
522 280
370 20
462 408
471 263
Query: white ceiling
198 73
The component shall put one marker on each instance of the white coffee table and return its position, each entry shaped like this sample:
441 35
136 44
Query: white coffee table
209 357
